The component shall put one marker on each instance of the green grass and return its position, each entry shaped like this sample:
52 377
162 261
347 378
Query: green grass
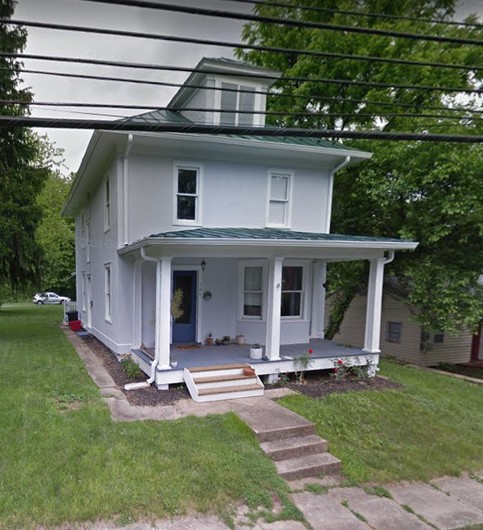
62 458
431 427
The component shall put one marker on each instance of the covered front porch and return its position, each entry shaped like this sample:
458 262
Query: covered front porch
268 285
325 354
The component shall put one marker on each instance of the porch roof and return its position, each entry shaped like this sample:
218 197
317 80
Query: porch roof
269 237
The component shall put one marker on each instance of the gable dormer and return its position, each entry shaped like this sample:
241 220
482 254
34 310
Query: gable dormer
228 85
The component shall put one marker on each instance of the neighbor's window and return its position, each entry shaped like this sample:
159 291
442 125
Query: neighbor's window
107 286
438 337
187 194
107 204
292 291
236 98
82 223
253 291
279 195
394 332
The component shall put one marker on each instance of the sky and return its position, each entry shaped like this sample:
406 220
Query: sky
80 12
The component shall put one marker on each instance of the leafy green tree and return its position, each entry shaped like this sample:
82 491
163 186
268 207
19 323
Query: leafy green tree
55 236
425 191
22 169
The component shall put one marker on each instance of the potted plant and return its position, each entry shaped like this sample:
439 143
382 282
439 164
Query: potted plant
226 340
218 342
256 351
209 339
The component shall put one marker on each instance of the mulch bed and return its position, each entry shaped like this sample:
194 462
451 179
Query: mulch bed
318 383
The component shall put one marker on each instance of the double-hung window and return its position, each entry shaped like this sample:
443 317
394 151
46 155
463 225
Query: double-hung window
187 194
107 292
236 98
394 332
107 203
292 291
252 280
279 199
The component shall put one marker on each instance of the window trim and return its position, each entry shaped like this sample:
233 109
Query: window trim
288 202
107 203
199 171
82 223
242 265
88 240
388 332
303 296
108 292
84 291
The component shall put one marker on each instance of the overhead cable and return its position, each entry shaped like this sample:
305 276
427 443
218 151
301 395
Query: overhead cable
123 64
128 125
381 16
296 114
262 92
217 13
237 45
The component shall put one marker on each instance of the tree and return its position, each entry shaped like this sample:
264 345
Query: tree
56 236
22 169
424 191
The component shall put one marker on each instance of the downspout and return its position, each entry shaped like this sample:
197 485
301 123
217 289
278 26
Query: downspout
331 190
125 216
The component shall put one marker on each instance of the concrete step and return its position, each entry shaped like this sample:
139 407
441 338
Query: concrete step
283 433
288 448
308 466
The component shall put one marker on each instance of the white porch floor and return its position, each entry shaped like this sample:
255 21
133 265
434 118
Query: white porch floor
217 355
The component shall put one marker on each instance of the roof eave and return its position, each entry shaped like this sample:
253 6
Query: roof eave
217 242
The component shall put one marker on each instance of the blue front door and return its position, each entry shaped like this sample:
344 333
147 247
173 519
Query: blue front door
184 327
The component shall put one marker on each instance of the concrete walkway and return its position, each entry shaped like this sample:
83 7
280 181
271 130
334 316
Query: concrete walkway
447 503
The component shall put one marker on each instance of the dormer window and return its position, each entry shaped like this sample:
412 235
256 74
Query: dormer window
236 98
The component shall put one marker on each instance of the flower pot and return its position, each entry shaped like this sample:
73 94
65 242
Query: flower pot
248 371
256 353
209 341
174 364
240 340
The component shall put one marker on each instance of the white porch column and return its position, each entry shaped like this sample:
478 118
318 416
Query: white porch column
272 343
374 304
137 301
318 300
163 313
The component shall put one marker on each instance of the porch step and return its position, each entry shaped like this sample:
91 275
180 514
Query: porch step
287 448
215 383
315 465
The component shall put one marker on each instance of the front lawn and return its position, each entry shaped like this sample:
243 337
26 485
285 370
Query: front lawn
62 459
431 427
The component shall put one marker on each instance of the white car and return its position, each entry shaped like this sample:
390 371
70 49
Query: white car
49 298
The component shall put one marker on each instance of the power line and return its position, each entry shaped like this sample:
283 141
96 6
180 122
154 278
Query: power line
304 114
262 92
226 44
147 66
359 13
285 22
68 123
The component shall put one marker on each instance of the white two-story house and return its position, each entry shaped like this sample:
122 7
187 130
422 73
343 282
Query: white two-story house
239 224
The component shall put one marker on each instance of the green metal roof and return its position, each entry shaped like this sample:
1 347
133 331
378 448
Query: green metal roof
267 234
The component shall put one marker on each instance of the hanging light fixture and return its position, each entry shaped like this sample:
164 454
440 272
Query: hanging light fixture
203 264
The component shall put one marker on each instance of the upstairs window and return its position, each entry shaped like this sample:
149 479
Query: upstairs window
279 198
107 203
292 291
236 98
187 194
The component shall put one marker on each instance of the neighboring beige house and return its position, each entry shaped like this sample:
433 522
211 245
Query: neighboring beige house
403 338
